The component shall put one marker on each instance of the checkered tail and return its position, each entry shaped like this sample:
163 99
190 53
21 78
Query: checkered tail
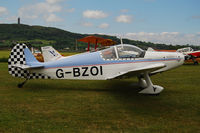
17 57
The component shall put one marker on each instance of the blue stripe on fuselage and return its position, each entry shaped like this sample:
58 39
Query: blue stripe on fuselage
87 59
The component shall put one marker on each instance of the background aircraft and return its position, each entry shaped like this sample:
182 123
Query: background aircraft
114 62
190 54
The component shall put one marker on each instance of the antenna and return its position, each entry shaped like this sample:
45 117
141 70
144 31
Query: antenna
120 37
121 40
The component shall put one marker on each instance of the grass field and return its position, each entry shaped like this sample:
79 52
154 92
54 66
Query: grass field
4 53
101 106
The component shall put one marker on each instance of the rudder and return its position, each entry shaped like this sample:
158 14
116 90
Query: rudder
50 54
17 57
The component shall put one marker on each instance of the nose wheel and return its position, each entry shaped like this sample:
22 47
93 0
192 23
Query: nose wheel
150 88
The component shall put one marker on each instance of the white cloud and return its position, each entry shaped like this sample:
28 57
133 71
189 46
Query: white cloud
3 10
45 7
42 10
11 18
52 18
28 12
87 24
124 19
95 14
166 37
103 26
53 1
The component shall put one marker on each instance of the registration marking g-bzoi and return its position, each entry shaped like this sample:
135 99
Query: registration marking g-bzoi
80 71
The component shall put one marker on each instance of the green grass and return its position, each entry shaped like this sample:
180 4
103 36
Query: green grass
4 53
101 106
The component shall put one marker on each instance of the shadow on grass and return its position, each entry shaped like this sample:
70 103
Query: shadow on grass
118 96
81 85
125 89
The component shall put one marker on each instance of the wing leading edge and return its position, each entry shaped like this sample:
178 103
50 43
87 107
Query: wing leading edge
149 68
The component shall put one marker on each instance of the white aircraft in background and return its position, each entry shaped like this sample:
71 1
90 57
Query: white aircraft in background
190 54
121 60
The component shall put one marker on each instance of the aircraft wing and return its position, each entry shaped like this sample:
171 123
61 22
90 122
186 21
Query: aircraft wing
194 53
149 68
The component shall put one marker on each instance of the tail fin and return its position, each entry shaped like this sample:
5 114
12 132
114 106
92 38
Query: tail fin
50 54
150 49
21 60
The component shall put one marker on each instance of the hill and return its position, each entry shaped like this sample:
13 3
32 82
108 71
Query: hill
40 36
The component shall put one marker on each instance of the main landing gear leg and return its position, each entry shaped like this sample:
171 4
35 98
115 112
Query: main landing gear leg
150 88
20 85
141 82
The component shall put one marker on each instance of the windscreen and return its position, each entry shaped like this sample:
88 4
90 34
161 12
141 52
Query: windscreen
126 51
109 53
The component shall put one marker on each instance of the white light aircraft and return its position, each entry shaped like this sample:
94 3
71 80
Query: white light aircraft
121 60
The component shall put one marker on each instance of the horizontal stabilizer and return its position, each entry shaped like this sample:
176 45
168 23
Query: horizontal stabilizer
27 66
21 61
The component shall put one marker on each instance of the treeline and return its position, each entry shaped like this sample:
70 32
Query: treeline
38 36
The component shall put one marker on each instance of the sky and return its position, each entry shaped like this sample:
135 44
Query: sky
159 21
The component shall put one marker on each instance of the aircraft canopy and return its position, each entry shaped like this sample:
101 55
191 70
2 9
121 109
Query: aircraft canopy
122 51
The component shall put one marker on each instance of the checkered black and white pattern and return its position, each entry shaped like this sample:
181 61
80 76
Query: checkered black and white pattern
17 57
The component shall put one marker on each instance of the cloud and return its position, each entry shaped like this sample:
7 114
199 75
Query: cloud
53 1
43 10
11 18
3 10
45 7
52 18
95 14
103 26
28 12
87 24
166 37
124 19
